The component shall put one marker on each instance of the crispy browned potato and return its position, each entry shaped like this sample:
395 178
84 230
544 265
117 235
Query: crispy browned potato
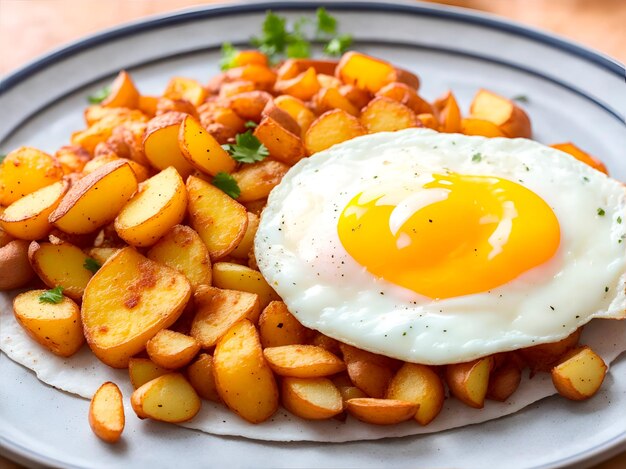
202 150
421 385
200 375
15 268
148 105
357 96
386 115
369 73
106 413
303 86
56 326
182 249
141 172
250 105
104 127
346 388
142 370
581 155
218 309
302 361
257 180
260 75
543 357
381 411
331 128
579 374
242 251
244 380
187 89
311 398
511 119
172 350
469 381
406 95
449 113
482 127
298 111
504 381
101 255
233 276
220 221
328 99
168 398
160 143
283 144
277 326
72 158
118 326
326 342
123 93
369 372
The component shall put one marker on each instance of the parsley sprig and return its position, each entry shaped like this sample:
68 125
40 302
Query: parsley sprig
53 296
91 264
100 95
229 56
247 148
227 184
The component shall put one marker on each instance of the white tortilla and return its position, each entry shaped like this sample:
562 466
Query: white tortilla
83 373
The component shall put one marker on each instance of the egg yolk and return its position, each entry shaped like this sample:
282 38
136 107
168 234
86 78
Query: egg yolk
453 235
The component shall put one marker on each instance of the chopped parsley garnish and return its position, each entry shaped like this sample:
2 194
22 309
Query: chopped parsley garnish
251 125
247 148
99 95
229 56
477 157
585 178
274 36
522 98
53 296
619 220
606 289
326 24
227 184
601 212
92 265
338 45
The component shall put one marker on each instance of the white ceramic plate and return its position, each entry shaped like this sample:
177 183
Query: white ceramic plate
574 94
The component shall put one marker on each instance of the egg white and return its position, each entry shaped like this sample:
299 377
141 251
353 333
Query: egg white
299 252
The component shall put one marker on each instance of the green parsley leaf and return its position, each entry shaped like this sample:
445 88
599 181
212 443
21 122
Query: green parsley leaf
227 184
521 98
274 37
326 24
298 48
99 95
477 157
247 148
601 212
229 56
53 296
92 265
338 45
619 220
251 125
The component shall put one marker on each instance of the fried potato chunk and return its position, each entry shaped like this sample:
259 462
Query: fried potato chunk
106 413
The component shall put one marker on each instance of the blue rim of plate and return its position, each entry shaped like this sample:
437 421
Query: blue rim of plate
432 11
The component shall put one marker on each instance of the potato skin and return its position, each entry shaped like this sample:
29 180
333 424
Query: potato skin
15 269
106 413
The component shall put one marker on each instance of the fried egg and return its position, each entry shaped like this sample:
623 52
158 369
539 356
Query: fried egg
440 248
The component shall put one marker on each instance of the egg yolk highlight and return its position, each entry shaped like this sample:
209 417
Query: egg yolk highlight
453 235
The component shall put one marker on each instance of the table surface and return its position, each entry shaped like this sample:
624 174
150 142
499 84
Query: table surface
39 26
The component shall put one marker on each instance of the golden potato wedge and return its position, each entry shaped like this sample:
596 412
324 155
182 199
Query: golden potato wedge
302 361
142 370
369 372
61 265
365 72
449 113
101 255
244 380
406 95
298 111
387 115
503 382
579 374
123 93
511 119
217 310
24 171
201 149
429 121
381 411
249 105
106 413
311 398
72 158
325 342
218 113
168 398
485 128
200 375
331 128
421 385
171 349
235 87
328 99
118 326
148 105
262 76
469 381
15 268
56 326
346 388
580 155
257 180
303 86
141 172
104 127
241 278
329 81
96 199
242 251
181 106
277 326
357 96
182 249
159 205
220 221
27 218
160 143
543 357
187 89
283 145
252 56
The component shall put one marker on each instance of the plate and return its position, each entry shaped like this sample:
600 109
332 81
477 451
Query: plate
573 94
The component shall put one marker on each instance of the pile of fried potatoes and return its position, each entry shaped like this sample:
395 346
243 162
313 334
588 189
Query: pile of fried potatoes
156 264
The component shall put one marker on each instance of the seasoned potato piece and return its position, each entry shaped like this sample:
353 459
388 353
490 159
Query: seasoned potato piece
182 106
469 381
24 171
247 57
429 121
148 105
168 398
346 388
449 113
406 95
182 249
56 326
171 349
302 361
200 375
123 93
298 111
217 310
218 113
356 96
311 398
475 126
15 269
220 221
325 342
101 255
304 86
386 115
260 75
328 81
201 149
27 218
331 128
277 326
511 119
102 129
283 144
543 357
381 411
369 372
106 413
142 370
160 143
243 378
241 278
141 172
250 105
579 374
159 205
580 155
72 158
235 87
328 99
187 89
503 382
242 251
421 385
257 180
96 199
118 326
365 72
61 265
